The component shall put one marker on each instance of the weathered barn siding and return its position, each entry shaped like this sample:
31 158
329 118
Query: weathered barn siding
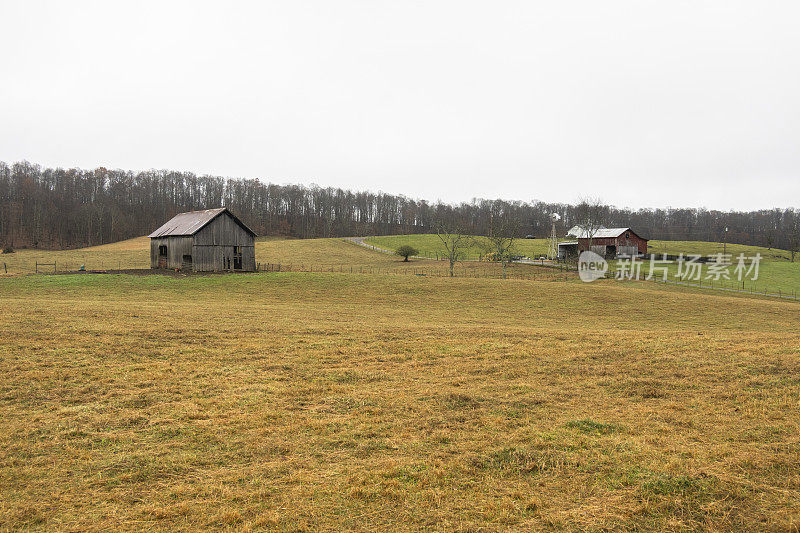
223 231
177 247
214 246
210 240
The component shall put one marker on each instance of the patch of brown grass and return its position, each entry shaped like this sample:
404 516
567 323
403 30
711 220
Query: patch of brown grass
330 402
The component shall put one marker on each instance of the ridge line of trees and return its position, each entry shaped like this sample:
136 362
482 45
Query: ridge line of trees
65 208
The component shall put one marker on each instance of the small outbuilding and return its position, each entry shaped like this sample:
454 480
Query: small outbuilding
204 241
567 250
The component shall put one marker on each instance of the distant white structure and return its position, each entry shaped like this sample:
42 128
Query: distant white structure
578 232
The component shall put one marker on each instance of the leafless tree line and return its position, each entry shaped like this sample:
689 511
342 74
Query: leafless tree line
60 208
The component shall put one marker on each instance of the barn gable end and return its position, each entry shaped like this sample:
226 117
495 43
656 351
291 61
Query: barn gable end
210 240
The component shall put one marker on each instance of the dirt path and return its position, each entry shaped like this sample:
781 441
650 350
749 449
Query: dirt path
362 242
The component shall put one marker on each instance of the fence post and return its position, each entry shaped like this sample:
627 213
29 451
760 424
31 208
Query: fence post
5 268
36 267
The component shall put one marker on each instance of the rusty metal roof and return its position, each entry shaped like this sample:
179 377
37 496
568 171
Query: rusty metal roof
192 222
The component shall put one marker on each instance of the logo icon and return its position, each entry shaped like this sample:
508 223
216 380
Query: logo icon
591 266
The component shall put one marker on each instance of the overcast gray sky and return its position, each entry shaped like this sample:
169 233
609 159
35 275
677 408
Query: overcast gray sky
645 104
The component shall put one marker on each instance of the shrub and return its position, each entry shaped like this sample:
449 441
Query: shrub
8 250
406 251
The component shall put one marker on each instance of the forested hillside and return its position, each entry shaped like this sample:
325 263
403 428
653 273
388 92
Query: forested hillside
61 208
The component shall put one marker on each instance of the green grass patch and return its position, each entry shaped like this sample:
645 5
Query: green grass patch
592 427
429 245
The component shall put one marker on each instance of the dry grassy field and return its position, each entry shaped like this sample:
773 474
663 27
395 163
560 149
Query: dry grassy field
327 401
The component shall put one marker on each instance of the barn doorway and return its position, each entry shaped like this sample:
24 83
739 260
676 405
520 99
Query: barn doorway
237 257
186 262
611 251
162 256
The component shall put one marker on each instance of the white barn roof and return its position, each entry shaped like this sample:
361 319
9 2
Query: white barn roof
602 233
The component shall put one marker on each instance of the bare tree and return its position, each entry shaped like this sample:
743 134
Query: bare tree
455 242
591 215
499 242
794 241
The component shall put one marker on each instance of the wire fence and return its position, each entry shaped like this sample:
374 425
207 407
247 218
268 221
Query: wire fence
541 271
56 266
461 270
744 286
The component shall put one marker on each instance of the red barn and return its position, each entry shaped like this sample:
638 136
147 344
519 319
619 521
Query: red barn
614 242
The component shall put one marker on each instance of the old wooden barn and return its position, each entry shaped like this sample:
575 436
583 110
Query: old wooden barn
203 241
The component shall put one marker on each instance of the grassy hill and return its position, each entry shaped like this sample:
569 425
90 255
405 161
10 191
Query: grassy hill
429 244
712 248
293 254
776 272
327 401
132 253
135 253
